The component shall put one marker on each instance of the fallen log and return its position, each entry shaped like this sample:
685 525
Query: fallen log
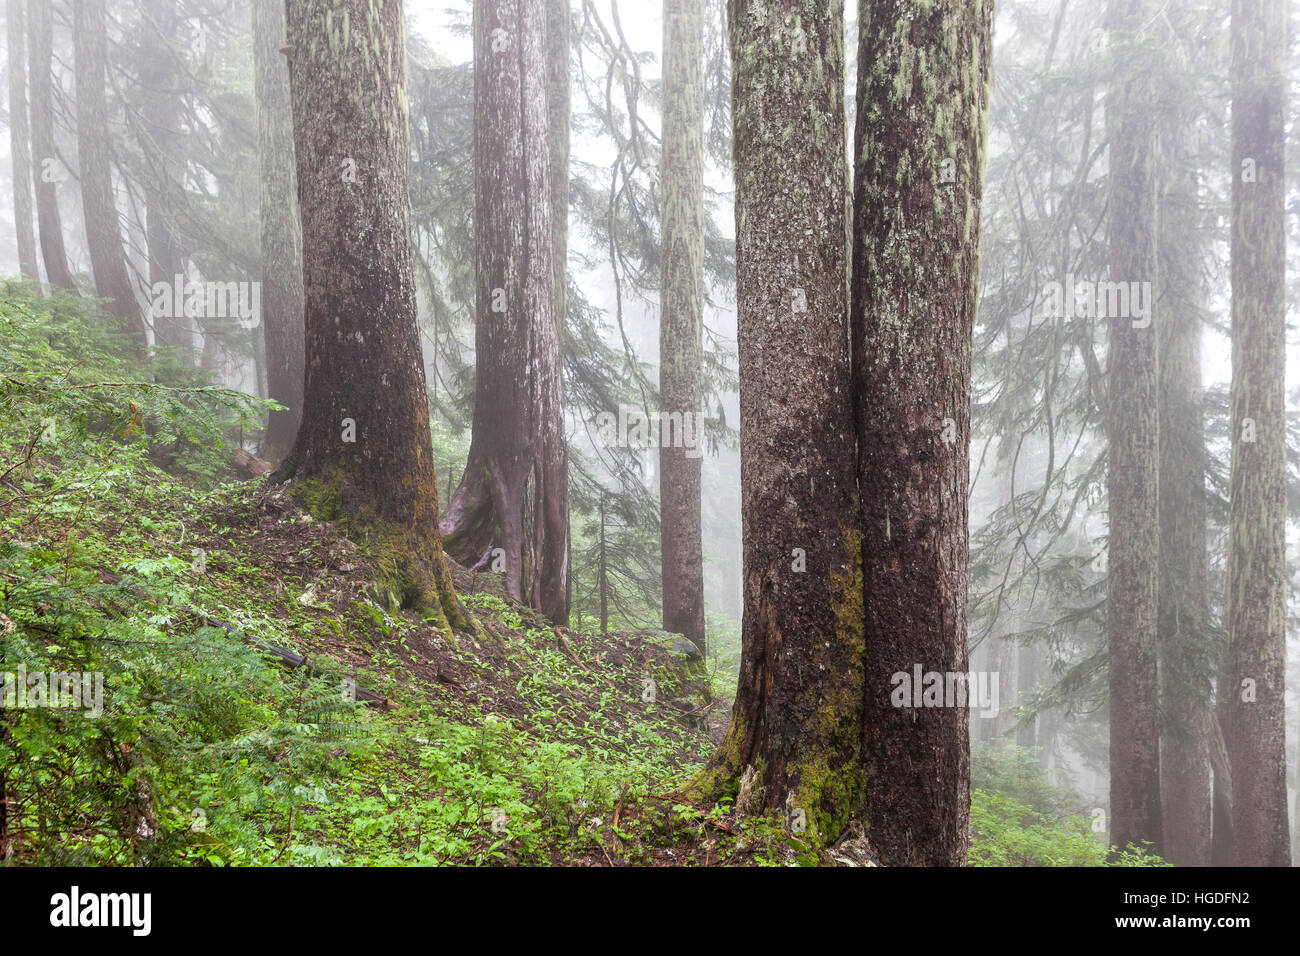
249 465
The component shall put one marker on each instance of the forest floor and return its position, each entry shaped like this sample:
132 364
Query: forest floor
541 746
261 702
262 705
578 762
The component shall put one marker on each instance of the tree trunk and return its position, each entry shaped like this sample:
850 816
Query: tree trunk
514 493
681 352
160 116
19 153
915 255
797 715
1256 599
558 105
1026 684
604 576
281 240
364 453
1186 643
1132 426
103 235
46 165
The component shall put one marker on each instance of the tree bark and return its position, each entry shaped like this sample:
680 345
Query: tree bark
918 180
1132 425
46 164
681 352
99 208
514 492
19 145
797 715
1256 600
281 238
364 453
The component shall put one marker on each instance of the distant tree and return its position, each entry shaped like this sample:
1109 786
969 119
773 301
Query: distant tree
559 104
281 237
1132 426
681 190
94 151
364 451
19 143
45 160
1186 637
160 145
514 491
1255 691
924 76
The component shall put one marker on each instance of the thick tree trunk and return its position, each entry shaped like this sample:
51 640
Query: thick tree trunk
514 492
103 235
797 715
160 116
364 453
1132 426
1256 600
281 239
19 147
681 190
1186 642
46 165
915 257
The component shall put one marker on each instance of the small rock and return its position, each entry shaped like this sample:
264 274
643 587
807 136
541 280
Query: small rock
683 645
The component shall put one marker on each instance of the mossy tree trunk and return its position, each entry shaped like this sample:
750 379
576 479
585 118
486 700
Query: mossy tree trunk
797 714
681 353
364 452
1186 640
160 119
19 142
1133 433
46 167
924 74
281 239
513 495
99 208
1256 600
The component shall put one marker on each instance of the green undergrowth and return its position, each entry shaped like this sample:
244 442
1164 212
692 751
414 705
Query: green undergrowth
1019 817
129 553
